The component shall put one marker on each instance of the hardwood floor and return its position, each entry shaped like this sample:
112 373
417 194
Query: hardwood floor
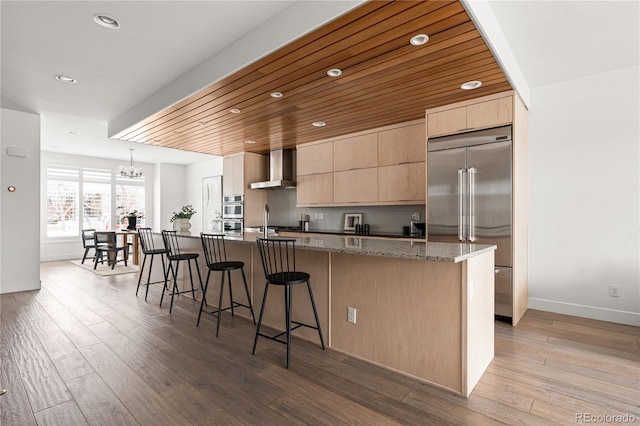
85 350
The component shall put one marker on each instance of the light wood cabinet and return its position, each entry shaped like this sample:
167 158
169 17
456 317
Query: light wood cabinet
358 152
315 189
233 175
475 115
402 182
402 145
357 161
356 186
314 158
239 171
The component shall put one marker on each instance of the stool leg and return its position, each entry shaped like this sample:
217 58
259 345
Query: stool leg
287 296
246 289
146 293
315 313
174 289
202 302
200 280
220 303
140 274
166 278
230 293
193 290
264 299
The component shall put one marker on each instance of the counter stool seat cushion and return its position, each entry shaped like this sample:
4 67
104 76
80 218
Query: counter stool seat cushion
226 266
183 256
288 278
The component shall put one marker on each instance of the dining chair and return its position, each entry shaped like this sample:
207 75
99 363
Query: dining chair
107 242
89 243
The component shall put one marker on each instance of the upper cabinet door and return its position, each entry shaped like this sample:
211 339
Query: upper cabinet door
447 122
491 113
358 152
315 158
402 145
233 171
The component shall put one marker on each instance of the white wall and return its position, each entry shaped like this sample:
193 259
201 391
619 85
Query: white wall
193 180
71 247
170 194
20 210
584 196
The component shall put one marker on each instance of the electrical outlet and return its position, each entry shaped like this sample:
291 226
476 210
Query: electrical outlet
321 216
351 315
614 290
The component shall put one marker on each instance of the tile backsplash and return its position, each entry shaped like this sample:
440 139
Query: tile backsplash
383 219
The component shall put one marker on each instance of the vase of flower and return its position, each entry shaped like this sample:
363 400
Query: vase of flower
180 219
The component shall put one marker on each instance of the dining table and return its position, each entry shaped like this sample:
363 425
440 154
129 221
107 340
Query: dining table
126 233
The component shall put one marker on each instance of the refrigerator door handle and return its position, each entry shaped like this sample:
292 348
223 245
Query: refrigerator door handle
472 194
461 195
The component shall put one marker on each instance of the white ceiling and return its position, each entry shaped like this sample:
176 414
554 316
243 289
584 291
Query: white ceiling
160 41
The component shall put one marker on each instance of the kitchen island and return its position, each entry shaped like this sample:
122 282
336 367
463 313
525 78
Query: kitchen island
423 309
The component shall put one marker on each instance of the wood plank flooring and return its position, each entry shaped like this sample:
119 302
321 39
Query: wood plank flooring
85 350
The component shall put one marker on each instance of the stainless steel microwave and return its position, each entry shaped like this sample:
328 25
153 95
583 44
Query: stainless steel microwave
233 211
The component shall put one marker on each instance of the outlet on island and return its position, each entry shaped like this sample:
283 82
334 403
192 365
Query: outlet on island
351 315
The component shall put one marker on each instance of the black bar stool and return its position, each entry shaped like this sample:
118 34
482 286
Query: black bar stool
279 263
215 253
174 254
150 248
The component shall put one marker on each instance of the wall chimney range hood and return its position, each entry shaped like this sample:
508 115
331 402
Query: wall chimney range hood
280 171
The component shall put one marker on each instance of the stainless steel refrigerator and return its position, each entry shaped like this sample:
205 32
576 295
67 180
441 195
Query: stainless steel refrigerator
469 198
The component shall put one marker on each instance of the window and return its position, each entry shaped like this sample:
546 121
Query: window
82 198
62 201
96 199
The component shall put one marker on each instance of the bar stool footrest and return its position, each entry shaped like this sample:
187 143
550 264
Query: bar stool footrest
214 313
297 325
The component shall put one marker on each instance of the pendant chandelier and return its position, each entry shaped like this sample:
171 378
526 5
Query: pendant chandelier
130 171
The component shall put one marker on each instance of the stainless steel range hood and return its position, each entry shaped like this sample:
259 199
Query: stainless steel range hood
280 171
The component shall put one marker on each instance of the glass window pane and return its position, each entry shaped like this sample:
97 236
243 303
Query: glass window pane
96 206
62 208
129 198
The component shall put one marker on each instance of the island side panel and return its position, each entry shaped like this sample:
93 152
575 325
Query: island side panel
478 346
315 263
408 315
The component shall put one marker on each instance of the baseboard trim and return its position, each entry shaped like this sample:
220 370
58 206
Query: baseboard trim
603 314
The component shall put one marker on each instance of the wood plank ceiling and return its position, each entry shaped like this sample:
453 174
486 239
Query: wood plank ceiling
385 80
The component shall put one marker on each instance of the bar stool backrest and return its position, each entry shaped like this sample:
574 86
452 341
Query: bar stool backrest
88 237
146 240
278 257
214 248
170 239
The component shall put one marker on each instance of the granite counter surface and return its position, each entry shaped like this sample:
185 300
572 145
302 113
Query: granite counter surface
436 252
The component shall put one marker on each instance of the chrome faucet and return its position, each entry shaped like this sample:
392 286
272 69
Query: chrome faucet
265 228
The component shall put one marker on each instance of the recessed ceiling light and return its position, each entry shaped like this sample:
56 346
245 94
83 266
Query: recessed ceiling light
54 147
106 21
72 132
419 40
276 94
234 111
319 123
249 141
334 72
469 85
66 79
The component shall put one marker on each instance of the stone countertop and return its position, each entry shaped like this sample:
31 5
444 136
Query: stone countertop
436 252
